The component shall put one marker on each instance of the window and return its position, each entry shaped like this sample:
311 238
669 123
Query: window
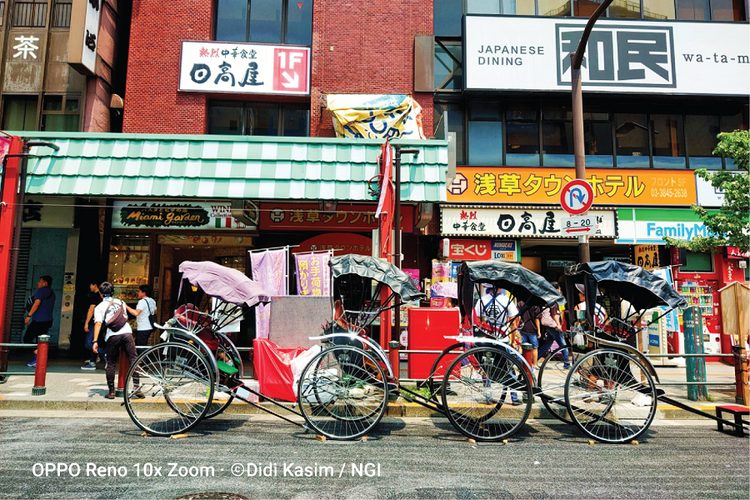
19 112
554 8
716 10
698 262
61 13
446 20
728 10
522 135
448 68
2 11
455 124
60 114
624 9
659 9
30 14
265 21
485 134
668 146
631 137
695 10
264 119
700 137
557 135
597 139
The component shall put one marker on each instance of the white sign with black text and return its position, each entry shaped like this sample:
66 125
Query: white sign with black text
520 223
510 52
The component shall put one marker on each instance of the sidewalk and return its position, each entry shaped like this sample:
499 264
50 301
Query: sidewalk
70 388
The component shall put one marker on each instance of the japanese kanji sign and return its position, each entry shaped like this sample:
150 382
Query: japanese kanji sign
544 185
84 33
313 274
517 223
506 53
309 217
465 249
244 68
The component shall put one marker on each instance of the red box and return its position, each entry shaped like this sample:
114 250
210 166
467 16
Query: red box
428 327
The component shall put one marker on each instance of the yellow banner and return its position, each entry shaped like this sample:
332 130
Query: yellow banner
543 185
366 116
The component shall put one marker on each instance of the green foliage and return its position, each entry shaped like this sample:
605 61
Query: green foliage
732 222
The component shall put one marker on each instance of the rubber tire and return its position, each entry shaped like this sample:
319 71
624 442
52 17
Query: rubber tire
160 367
499 373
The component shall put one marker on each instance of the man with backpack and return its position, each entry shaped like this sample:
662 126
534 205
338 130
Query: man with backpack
112 314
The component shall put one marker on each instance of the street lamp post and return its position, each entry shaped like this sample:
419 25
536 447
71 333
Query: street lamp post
576 59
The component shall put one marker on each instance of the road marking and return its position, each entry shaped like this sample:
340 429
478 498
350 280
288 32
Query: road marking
79 380
21 386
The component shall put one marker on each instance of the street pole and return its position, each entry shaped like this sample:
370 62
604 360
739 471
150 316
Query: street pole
579 146
393 354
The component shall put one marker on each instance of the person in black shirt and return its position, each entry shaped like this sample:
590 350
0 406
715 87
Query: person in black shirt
94 299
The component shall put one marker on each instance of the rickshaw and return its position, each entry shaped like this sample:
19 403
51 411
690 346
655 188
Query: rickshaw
485 390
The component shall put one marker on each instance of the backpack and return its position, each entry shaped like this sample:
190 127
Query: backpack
118 320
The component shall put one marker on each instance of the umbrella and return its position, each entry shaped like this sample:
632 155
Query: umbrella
227 284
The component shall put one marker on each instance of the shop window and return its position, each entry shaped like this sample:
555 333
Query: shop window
698 262
263 119
19 112
448 68
265 21
60 114
455 113
700 137
522 136
667 140
128 264
61 10
631 138
485 134
30 14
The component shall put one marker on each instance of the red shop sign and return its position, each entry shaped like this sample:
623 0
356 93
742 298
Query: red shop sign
466 249
310 217
734 253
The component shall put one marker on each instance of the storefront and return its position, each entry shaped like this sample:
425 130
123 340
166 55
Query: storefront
144 204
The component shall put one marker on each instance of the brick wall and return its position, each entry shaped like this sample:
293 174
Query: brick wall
152 103
358 47
366 48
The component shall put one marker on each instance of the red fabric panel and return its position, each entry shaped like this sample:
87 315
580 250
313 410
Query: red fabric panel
273 369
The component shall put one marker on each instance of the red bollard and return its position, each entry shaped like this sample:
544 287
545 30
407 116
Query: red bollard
122 372
40 372
528 351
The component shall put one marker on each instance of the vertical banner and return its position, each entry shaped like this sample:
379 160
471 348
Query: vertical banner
385 208
269 268
313 275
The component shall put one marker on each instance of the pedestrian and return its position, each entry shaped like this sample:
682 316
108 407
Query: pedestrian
39 318
531 329
498 313
88 327
552 323
600 314
115 340
143 310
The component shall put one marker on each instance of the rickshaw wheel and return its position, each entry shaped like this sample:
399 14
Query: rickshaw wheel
231 357
610 396
487 395
438 370
551 382
343 392
173 378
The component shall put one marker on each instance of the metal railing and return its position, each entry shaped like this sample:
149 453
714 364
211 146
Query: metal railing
61 15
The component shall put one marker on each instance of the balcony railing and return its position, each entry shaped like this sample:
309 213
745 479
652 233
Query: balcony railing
29 15
61 15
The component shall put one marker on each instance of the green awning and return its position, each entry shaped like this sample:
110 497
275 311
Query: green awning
211 166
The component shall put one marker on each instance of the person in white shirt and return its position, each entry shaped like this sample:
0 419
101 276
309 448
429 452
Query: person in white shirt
497 310
115 340
146 307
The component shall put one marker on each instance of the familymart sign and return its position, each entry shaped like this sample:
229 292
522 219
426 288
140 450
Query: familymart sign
650 226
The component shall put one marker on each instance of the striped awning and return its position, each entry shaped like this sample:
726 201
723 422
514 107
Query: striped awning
210 166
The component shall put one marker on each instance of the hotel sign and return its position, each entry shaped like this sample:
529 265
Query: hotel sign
521 53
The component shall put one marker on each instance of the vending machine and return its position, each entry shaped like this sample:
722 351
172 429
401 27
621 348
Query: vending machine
705 295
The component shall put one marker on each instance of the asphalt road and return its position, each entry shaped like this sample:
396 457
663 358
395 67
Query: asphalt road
78 456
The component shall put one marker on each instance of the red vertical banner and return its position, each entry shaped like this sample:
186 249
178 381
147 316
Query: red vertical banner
384 214
10 176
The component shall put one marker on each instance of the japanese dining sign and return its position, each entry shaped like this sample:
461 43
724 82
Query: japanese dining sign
149 215
309 217
544 185
244 68
518 223
507 53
